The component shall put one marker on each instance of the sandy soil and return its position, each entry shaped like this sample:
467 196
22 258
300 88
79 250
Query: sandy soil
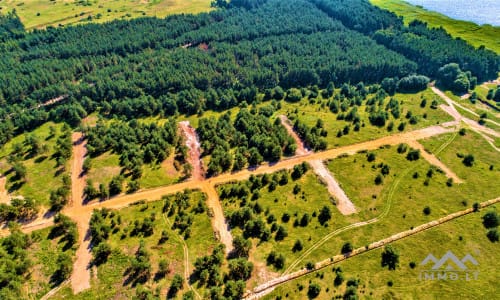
433 160
80 213
219 223
301 148
343 203
80 278
4 196
194 150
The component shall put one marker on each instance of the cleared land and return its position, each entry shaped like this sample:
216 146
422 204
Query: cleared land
457 232
43 13
474 34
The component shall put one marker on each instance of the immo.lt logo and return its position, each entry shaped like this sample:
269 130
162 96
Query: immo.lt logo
449 267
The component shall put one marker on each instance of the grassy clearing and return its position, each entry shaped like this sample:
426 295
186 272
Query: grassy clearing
104 168
476 35
462 236
309 113
408 196
357 177
42 173
311 198
43 13
111 277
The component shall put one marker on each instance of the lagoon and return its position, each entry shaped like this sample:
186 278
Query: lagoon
477 11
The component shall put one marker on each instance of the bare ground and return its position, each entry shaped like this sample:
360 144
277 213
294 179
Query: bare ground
194 153
343 203
219 223
80 278
4 196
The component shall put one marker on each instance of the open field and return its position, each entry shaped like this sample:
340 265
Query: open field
42 173
111 277
476 35
43 13
462 236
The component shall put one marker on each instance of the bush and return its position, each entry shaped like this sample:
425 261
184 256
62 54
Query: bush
468 160
413 154
346 248
493 235
491 220
379 179
427 210
314 290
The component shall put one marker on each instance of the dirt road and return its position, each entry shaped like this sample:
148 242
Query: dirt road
80 278
194 153
433 160
343 203
219 223
301 148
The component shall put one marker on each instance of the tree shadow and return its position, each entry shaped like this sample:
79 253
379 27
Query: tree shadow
16 186
41 159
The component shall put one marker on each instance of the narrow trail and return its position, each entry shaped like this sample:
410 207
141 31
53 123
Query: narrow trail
186 257
80 278
342 202
53 291
264 289
219 222
433 160
194 153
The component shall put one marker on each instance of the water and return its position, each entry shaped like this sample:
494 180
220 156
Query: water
477 11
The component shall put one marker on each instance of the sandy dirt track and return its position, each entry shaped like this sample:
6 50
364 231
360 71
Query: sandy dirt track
343 203
433 160
80 278
264 289
194 153
4 196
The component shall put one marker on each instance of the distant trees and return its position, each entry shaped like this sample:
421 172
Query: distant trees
451 77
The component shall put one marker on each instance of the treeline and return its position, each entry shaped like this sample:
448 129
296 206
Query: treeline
253 135
190 64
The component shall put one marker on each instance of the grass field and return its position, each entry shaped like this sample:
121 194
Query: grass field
309 113
110 280
462 236
42 13
476 35
405 197
42 174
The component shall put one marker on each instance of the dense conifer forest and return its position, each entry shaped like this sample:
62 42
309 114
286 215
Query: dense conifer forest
214 61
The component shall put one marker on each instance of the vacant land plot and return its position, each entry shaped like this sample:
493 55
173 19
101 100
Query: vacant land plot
42 173
474 34
368 278
418 193
292 207
162 242
410 106
43 13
